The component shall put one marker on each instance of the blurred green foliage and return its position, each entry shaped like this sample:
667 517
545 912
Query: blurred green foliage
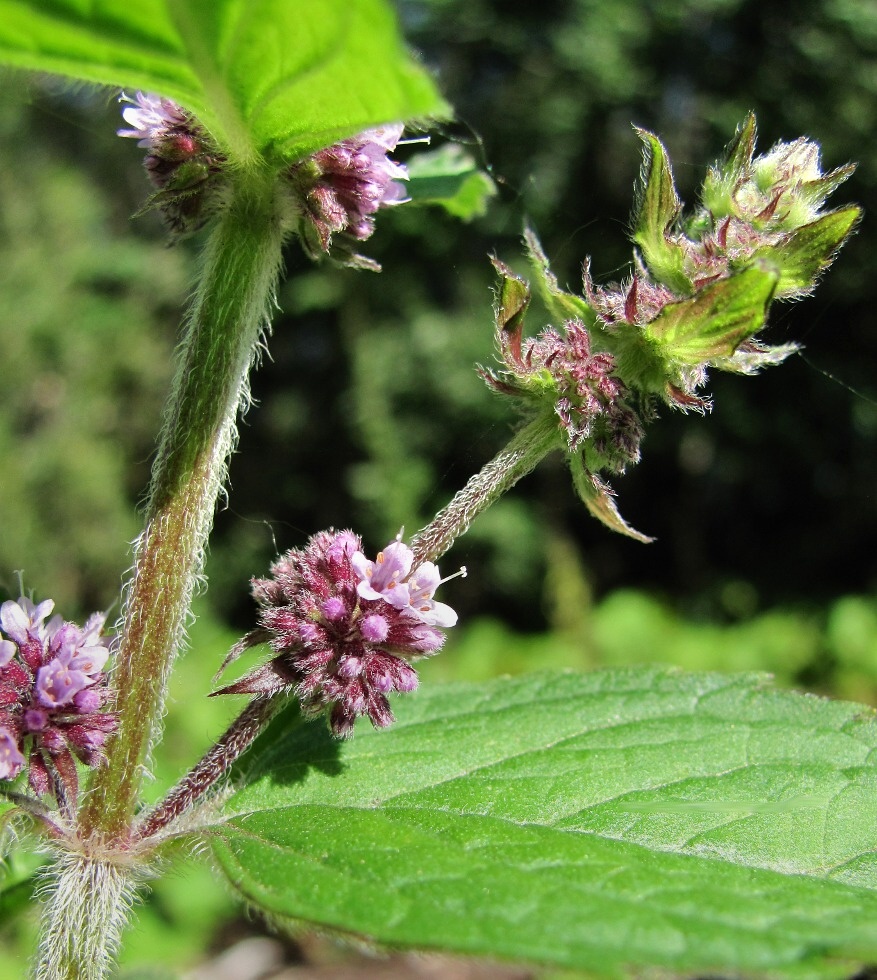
82 304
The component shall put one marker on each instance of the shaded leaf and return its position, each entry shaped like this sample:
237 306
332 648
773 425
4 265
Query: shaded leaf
512 300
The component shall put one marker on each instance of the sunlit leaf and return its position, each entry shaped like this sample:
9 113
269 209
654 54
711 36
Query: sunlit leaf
655 212
265 77
811 249
717 320
629 817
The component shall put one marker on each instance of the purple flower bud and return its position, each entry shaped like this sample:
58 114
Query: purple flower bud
406 679
374 628
350 667
334 608
87 701
35 719
309 632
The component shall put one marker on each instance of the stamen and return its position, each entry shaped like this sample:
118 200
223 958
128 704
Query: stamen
461 574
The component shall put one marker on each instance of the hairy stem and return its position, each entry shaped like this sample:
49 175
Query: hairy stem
528 446
239 736
228 316
87 907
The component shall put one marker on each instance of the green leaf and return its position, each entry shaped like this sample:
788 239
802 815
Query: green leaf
717 193
628 817
598 497
741 149
266 77
20 873
656 210
450 177
718 319
806 253
512 301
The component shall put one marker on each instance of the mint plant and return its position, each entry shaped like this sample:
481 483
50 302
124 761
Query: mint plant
623 818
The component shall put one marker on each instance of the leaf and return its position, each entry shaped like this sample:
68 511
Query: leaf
805 254
644 817
450 178
714 323
741 149
512 301
599 498
656 210
265 77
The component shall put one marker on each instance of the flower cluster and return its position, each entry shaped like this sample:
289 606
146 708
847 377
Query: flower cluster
342 187
590 400
700 290
335 192
345 629
182 163
53 693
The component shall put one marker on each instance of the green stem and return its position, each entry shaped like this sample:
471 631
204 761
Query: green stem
228 316
528 446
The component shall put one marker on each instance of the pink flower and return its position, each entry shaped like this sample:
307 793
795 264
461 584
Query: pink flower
152 119
341 188
52 695
11 759
182 162
344 629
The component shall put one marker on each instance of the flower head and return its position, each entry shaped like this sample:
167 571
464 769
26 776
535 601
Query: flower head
53 693
345 629
341 188
181 161
566 371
